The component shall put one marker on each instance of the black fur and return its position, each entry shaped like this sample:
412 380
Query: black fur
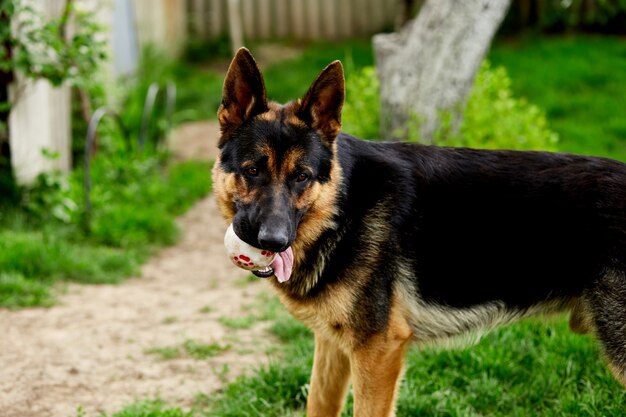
478 225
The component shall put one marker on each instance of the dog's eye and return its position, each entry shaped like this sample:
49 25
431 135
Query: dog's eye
303 176
252 172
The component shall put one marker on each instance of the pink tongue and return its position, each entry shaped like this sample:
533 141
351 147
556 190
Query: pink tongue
282 265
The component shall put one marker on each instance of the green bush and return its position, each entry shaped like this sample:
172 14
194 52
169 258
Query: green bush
134 202
17 291
46 258
125 225
495 119
361 110
149 408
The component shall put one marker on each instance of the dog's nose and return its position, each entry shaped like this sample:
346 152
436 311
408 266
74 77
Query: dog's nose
274 239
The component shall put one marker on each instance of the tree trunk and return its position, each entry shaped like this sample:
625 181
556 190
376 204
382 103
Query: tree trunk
430 65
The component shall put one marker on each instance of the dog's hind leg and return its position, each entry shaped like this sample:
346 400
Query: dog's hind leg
580 318
329 380
607 304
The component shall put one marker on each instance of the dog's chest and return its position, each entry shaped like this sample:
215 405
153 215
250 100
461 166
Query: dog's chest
328 315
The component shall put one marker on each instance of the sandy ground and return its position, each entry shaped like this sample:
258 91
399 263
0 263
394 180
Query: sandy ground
90 348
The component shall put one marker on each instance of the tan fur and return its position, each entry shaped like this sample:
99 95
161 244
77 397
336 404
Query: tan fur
329 380
224 186
375 364
458 327
377 368
328 315
618 373
268 116
291 164
580 320
321 202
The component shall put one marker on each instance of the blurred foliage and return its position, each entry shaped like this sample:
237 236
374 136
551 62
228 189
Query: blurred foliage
494 118
580 82
361 110
202 50
135 198
556 16
290 79
39 48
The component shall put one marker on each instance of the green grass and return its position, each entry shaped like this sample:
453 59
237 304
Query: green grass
17 291
133 213
580 82
278 389
238 323
191 348
200 86
151 408
531 368
289 80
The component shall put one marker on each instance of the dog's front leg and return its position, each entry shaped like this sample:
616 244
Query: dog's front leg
329 380
376 369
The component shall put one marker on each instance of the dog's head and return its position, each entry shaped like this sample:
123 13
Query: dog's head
276 178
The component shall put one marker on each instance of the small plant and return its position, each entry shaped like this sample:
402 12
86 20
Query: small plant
361 110
41 48
152 408
237 323
17 291
191 348
495 119
169 320
166 352
199 350
49 198
206 309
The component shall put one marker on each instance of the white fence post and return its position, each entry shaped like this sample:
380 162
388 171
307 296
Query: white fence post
163 23
39 121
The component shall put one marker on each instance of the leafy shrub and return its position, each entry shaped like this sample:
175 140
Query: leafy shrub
361 110
49 198
125 225
17 291
134 200
494 118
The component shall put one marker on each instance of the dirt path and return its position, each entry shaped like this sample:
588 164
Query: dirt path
90 349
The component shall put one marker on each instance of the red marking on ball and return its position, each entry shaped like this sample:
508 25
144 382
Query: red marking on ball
245 258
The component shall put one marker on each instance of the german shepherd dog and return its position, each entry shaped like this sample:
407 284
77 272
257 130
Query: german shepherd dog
383 244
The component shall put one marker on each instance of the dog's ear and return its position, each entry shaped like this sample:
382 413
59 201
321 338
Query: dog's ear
321 105
243 94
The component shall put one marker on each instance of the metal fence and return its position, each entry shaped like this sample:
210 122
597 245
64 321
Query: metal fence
297 19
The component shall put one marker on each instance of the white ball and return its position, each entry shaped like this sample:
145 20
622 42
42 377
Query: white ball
246 256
